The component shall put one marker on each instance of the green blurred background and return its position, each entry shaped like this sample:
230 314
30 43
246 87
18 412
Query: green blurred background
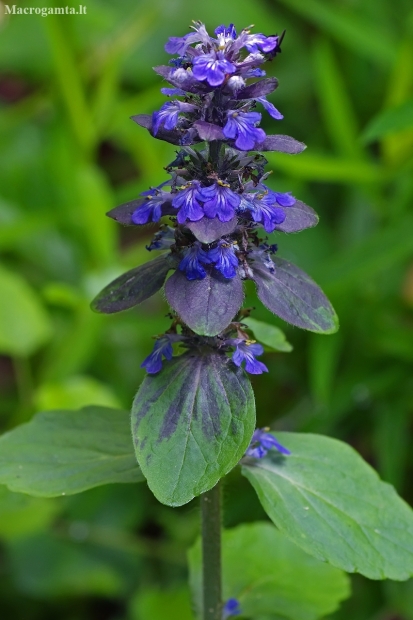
69 153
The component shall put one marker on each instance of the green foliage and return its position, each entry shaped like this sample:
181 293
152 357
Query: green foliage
66 452
328 501
269 335
390 121
24 324
191 424
69 153
271 577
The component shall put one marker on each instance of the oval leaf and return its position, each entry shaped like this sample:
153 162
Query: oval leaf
66 452
134 286
292 295
208 230
191 423
269 335
283 144
277 578
298 217
207 306
209 131
258 89
333 505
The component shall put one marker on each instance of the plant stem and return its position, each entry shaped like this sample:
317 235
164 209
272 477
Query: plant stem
211 553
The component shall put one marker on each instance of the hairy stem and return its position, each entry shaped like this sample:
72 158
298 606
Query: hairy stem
211 553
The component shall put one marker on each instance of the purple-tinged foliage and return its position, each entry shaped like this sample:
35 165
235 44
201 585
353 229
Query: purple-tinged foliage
209 230
207 306
293 296
134 286
247 351
162 348
231 608
262 441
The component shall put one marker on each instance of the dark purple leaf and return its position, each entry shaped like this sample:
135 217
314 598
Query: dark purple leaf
283 144
207 306
123 213
191 423
209 230
259 89
163 70
298 217
134 286
292 295
209 131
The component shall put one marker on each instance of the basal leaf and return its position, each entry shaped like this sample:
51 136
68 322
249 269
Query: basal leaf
333 505
66 452
191 423
292 295
270 576
298 217
207 306
208 230
269 335
134 286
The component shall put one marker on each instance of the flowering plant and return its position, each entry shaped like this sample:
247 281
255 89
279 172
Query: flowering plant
193 418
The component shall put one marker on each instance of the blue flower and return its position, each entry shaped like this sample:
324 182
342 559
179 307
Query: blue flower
251 73
188 202
260 43
231 608
168 115
270 108
224 258
228 33
263 208
162 347
262 254
240 126
247 350
179 45
283 199
220 201
162 240
151 209
191 264
262 442
212 67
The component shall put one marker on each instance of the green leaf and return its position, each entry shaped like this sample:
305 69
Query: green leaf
65 569
349 28
191 423
157 604
269 335
24 324
396 119
270 576
67 452
333 505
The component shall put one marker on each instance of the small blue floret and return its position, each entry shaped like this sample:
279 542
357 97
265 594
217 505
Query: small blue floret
262 441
